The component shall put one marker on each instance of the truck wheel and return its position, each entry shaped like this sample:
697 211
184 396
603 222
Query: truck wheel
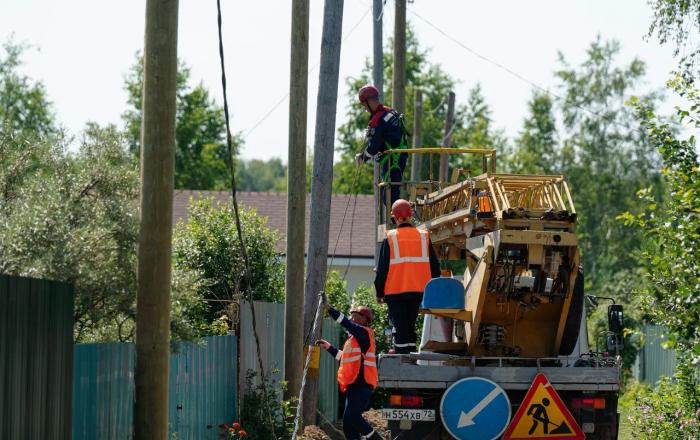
573 319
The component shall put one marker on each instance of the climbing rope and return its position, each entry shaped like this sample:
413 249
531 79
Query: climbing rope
234 201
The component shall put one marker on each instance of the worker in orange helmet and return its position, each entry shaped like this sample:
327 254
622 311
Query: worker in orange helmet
357 375
385 132
407 261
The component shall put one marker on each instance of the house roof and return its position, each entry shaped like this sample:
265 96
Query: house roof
356 236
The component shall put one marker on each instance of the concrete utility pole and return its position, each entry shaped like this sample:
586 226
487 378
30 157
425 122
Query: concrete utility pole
155 237
378 79
447 140
399 81
321 183
296 198
417 162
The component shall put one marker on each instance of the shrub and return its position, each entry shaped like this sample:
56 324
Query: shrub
257 411
669 412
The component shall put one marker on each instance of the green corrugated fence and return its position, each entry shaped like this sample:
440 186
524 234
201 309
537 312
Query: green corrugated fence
36 358
202 391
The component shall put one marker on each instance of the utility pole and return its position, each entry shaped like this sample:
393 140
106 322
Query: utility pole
155 236
296 198
378 79
417 162
447 140
399 81
321 184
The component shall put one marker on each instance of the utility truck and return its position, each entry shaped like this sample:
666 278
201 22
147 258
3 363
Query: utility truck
504 350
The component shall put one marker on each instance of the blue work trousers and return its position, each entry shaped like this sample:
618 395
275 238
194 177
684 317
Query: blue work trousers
356 402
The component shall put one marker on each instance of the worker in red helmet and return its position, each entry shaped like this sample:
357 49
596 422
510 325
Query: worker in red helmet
386 132
407 261
357 375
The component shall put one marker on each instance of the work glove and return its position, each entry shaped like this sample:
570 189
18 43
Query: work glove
360 159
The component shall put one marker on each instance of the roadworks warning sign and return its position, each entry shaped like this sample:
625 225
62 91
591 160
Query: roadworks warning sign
543 415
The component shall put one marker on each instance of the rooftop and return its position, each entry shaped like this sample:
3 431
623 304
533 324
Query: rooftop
356 237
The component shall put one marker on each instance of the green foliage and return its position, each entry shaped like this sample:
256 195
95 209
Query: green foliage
605 156
678 22
200 133
260 175
337 292
536 149
72 217
672 227
207 248
669 412
364 296
473 126
24 106
256 411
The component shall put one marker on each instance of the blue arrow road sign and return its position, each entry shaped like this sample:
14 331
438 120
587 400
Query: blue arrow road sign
475 408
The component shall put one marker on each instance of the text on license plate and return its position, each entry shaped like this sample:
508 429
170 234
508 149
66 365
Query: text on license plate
408 414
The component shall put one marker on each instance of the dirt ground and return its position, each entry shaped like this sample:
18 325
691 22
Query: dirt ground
335 431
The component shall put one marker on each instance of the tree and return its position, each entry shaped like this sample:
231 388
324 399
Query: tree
71 217
260 175
472 122
206 249
605 153
679 22
672 227
200 135
536 148
24 106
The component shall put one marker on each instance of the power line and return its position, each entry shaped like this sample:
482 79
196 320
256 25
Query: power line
505 68
318 63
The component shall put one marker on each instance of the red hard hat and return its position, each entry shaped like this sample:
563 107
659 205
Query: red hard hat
366 92
401 208
364 311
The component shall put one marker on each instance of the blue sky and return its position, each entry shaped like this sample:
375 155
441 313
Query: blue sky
83 48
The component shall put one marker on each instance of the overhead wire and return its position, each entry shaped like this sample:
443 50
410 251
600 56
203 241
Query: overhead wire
503 67
234 201
315 66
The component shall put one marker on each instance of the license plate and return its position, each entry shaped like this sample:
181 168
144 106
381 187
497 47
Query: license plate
417 415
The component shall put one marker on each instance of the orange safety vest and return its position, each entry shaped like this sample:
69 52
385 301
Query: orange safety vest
409 261
350 359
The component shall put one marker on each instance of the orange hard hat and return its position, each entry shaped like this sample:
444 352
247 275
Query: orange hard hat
364 311
401 208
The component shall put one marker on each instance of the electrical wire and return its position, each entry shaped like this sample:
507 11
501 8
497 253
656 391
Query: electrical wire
234 201
503 67
313 69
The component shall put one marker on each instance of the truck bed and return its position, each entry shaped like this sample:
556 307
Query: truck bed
401 371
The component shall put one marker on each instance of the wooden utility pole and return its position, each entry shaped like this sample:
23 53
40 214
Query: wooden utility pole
378 79
417 162
321 183
296 198
447 140
399 81
155 237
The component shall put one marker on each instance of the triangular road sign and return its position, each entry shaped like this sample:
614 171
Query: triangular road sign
543 416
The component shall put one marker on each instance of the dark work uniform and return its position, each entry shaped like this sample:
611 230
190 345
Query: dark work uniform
386 131
358 394
403 307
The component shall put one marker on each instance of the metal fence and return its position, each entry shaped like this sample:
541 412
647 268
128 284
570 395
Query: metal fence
270 326
653 360
203 379
36 358
202 391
